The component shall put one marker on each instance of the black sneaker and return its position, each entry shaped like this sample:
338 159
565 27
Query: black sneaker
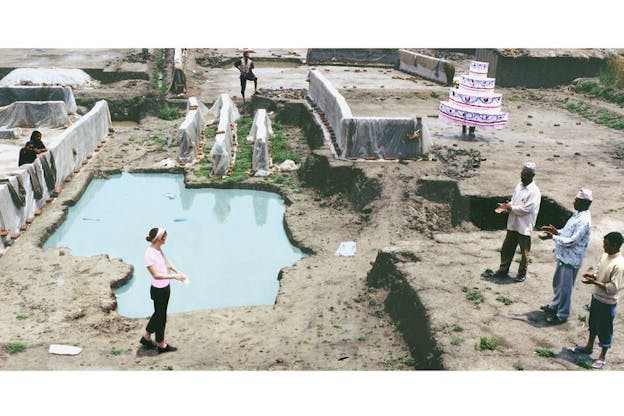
147 344
168 348
546 308
554 320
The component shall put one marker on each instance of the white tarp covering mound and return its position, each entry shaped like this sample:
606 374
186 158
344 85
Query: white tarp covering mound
260 134
10 95
220 154
47 76
28 187
34 114
189 132
330 102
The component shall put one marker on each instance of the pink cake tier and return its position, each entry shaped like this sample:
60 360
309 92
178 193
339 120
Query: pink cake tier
474 103
462 117
479 69
470 100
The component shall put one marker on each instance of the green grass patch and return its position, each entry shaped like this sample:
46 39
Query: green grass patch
504 299
280 149
458 328
488 343
518 367
168 113
361 338
115 351
15 347
434 94
21 316
582 318
584 363
544 352
457 340
474 295
603 117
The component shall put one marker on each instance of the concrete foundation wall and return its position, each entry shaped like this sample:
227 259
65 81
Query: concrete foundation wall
538 72
354 57
361 137
68 149
428 67
331 102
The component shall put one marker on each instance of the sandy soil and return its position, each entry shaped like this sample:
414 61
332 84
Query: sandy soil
326 317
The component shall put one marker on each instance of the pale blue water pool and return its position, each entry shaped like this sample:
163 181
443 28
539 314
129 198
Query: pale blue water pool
230 243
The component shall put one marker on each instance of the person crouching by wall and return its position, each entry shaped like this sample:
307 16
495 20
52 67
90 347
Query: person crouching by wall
608 281
27 154
159 267
35 139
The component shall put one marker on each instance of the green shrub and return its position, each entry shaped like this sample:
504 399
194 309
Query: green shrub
488 343
15 347
504 299
544 352
168 113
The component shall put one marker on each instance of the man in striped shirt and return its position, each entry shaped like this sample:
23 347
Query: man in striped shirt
570 246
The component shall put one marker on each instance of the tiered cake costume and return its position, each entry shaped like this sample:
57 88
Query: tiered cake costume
473 103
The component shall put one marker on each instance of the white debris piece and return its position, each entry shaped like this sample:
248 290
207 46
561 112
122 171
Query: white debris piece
287 166
64 349
346 248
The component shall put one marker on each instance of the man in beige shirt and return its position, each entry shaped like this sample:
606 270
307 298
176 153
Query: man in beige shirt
608 281
522 209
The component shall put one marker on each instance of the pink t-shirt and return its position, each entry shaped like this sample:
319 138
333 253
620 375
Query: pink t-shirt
155 258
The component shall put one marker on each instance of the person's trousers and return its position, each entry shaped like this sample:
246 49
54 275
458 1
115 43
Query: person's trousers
601 317
563 283
512 240
157 322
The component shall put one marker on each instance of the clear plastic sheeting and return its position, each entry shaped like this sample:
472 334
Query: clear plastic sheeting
221 152
47 76
427 67
10 95
66 152
260 134
330 102
367 137
34 114
189 132
73 145
383 138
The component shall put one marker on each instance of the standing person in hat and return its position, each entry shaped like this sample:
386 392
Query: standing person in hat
522 209
246 66
159 267
570 246
608 281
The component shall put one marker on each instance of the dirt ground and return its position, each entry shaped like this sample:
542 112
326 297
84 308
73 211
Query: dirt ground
326 316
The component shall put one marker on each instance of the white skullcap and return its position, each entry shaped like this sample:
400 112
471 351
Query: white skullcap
584 193
529 167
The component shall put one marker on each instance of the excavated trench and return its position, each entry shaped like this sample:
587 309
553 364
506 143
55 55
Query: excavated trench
402 302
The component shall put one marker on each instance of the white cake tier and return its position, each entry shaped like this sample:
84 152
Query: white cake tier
455 114
477 83
479 69
476 99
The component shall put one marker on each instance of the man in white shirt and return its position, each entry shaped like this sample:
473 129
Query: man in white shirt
522 209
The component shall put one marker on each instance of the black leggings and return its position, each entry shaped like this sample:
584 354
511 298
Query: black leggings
157 322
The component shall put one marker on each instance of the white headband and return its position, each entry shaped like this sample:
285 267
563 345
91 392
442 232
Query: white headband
159 234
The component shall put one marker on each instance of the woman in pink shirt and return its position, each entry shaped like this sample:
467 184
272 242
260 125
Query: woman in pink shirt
159 267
